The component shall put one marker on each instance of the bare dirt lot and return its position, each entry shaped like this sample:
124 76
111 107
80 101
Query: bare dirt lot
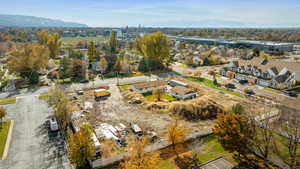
116 110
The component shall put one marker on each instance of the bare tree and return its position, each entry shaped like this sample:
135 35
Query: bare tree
290 129
263 141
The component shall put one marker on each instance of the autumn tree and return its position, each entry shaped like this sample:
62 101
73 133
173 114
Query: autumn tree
230 75
155 48
265 55
91 52
42 37
2 114
291 129
62 110
176 135
158 92
81 147
235 133
108 148
53 44
78 68
76 54
113 42
28 60
237 109
139 158
263 140
103 64
51 41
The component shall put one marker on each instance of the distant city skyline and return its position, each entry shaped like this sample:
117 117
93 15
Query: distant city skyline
167 13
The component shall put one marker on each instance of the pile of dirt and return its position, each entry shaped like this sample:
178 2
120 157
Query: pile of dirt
159 107
129 95
197 109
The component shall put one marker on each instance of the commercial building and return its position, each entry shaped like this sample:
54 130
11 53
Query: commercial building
268 47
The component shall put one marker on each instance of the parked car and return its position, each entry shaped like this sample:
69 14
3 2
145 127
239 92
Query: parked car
84 81
121 142
53 124
243 82
135 101
290 93
79 91
230 86
136 130
152 135
249 91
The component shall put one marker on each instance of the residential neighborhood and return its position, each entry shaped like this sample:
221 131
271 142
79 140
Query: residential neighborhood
149 85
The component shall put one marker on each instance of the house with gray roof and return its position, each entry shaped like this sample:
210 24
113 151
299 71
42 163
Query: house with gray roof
266 72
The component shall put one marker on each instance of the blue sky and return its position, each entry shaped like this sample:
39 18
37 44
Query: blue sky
173 13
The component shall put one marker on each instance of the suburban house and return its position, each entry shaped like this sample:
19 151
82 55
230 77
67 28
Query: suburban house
265 72
146 87
183 93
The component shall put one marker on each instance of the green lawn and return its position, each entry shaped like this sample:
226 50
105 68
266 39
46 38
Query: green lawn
64 81
72 41
43 96
167 164
124 87
114 74
272 90
209 83
3 135
183 65
297 89
8 100
150 97
212 149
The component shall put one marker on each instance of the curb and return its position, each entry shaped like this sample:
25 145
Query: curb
8 139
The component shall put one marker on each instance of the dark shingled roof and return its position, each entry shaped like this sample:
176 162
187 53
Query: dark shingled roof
291 66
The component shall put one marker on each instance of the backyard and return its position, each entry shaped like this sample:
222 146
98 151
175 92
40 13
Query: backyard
296 89
212 149
210 83
3 135
151 98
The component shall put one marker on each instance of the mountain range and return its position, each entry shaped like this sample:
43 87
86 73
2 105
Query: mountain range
33 21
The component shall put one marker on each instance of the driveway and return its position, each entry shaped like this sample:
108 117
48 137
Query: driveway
33 146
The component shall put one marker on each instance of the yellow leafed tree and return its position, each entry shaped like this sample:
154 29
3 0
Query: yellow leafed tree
176 135
28 59
81 147
53 44
139 159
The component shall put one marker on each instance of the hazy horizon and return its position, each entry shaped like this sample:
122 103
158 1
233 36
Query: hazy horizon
176 13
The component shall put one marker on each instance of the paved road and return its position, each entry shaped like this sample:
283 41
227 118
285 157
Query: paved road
37 91
33 146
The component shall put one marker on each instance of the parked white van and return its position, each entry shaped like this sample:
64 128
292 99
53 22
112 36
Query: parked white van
53 124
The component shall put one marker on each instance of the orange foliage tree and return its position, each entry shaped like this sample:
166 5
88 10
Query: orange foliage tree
235 133
28 59
139 158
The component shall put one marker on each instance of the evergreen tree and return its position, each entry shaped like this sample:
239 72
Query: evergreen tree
65 66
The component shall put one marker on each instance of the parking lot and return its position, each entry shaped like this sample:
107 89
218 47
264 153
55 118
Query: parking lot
32 145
